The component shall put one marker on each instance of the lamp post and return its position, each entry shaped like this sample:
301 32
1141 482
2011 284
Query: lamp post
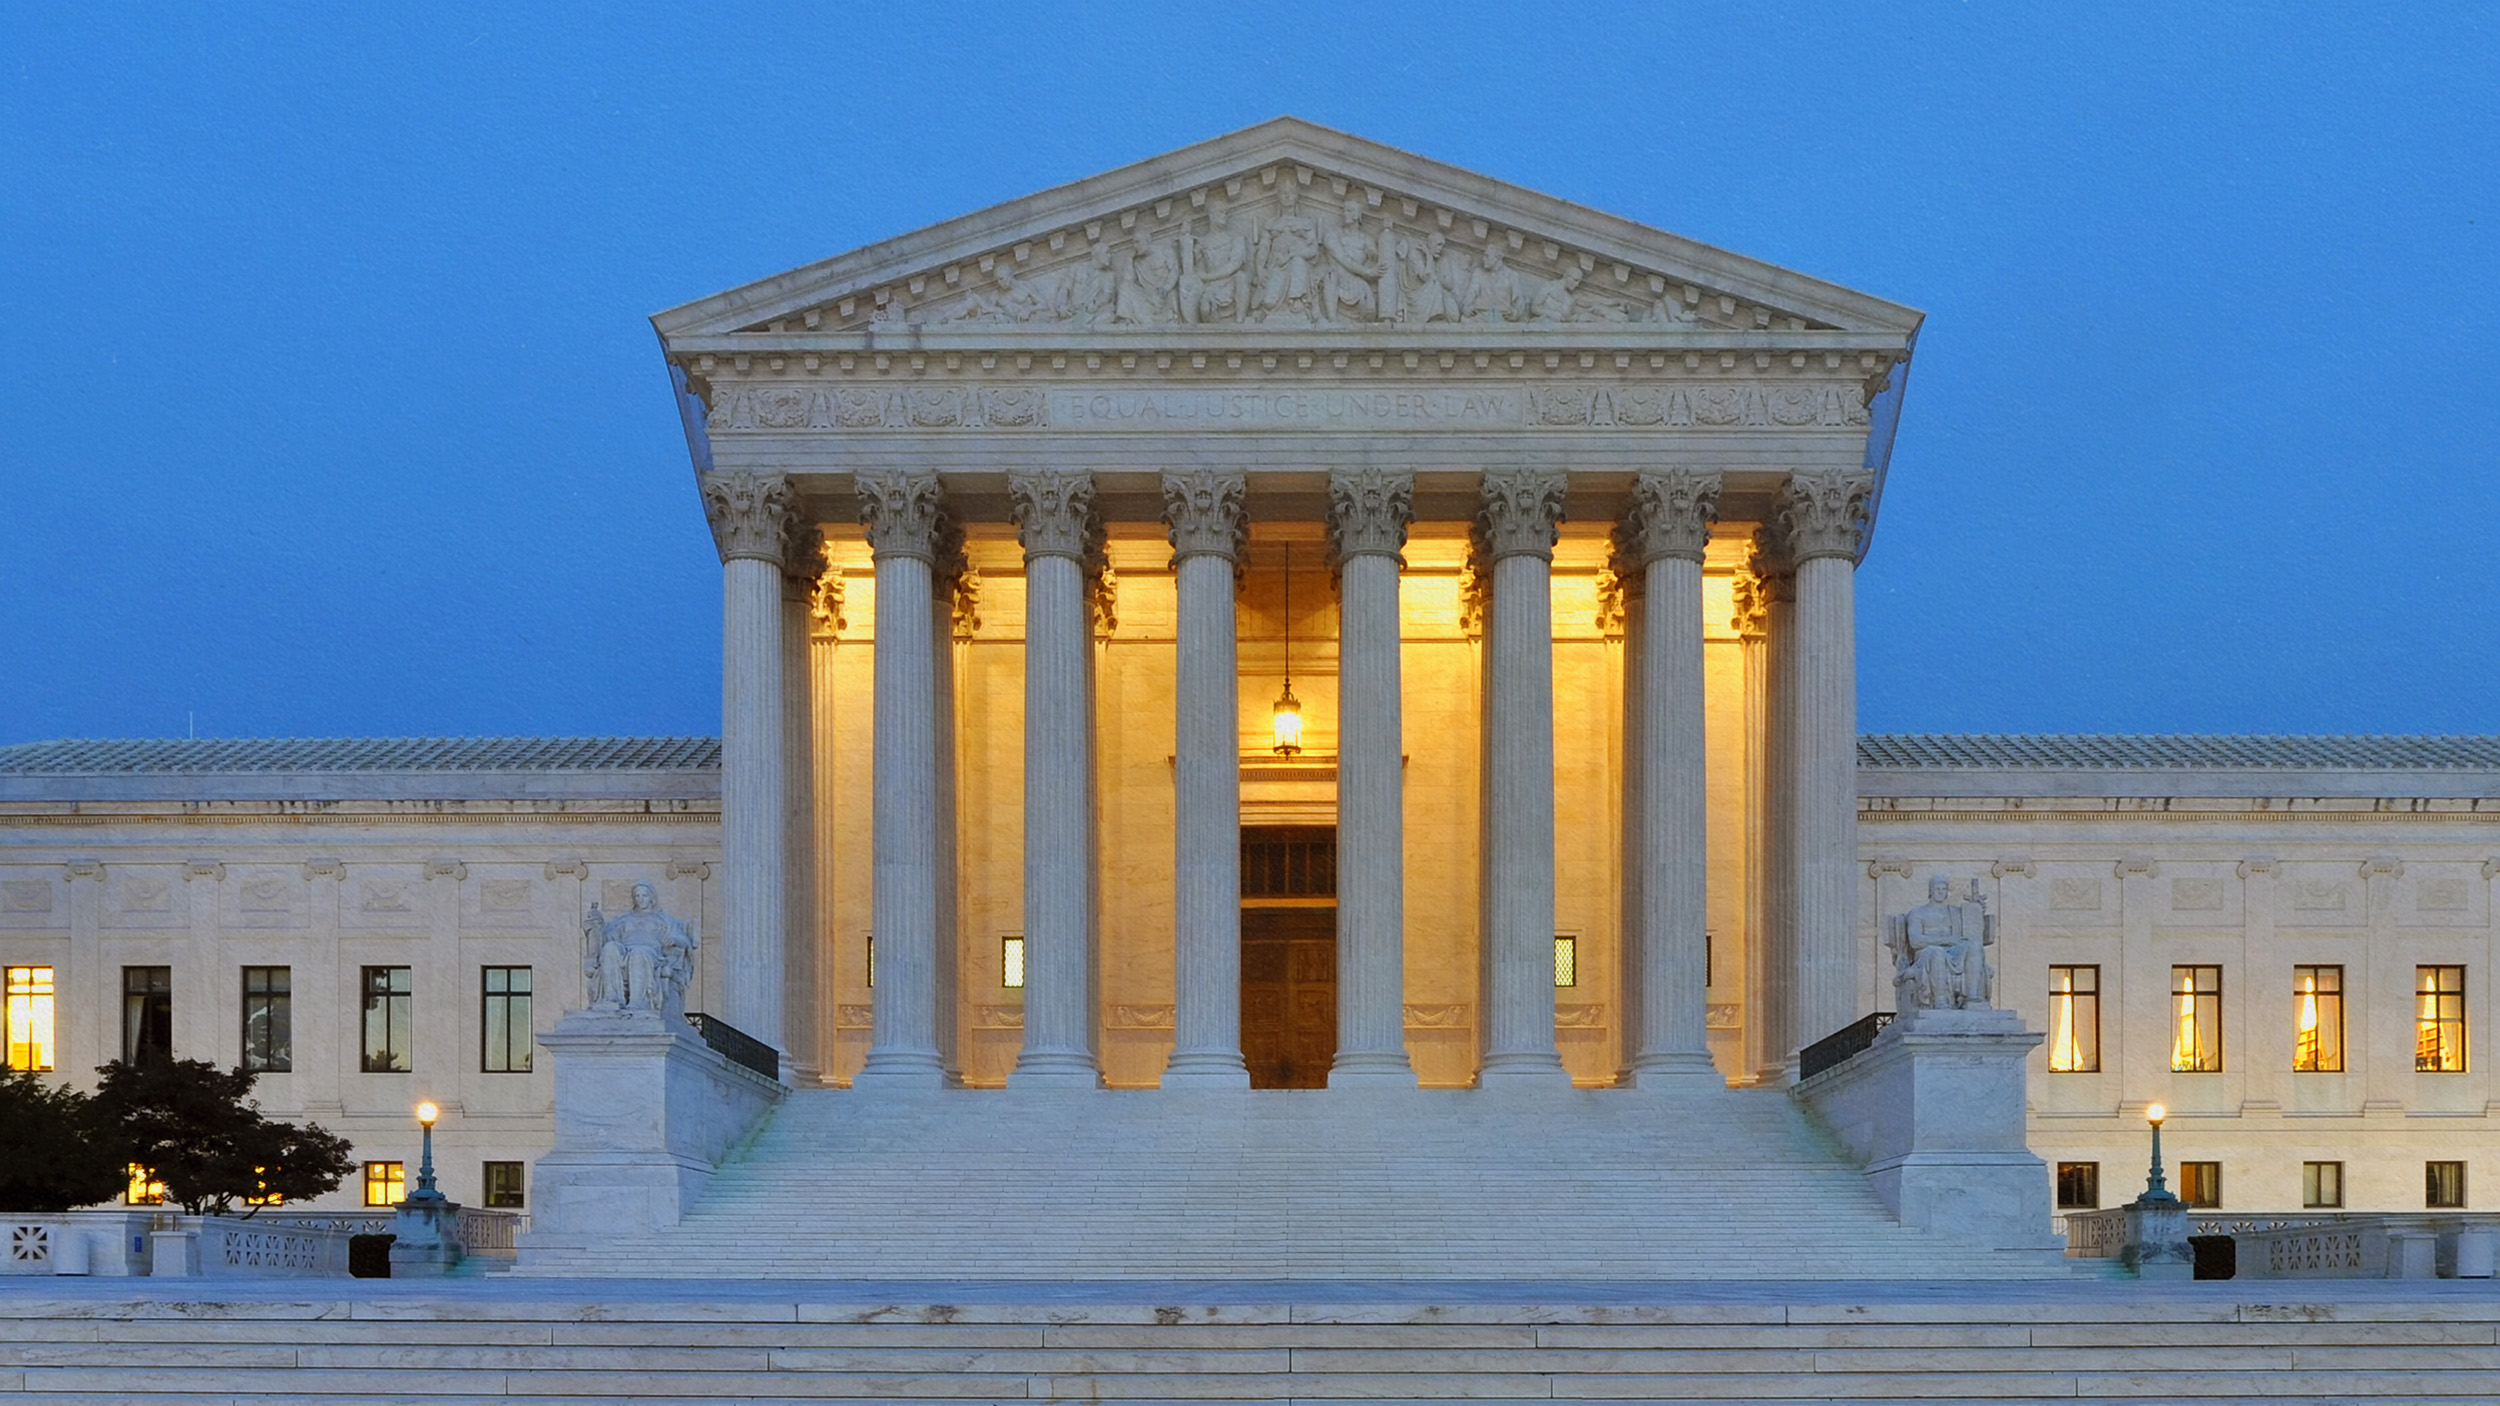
427 1113
2157 1222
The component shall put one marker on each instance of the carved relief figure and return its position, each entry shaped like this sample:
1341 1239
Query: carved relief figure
1422 272
1215 271
640 959
1090 288
1551 302
1287 247
1351 281
1939 950
1147 284
1493 293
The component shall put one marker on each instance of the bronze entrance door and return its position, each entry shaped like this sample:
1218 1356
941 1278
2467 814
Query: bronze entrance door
1289 955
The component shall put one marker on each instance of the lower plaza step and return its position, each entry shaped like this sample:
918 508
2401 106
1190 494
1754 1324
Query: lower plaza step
511 1340
1712 1184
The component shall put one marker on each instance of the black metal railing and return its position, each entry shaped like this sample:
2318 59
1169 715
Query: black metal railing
735 1045
1837 1047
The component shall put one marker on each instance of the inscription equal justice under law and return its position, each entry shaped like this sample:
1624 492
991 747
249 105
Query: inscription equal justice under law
768 408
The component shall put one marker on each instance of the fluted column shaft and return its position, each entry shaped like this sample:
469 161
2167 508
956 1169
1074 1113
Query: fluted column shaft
1519 520
803 562
901 511
1053 514
1668 531
1203 510
749 513
1825 516
1752 603
1778 1003
1368 517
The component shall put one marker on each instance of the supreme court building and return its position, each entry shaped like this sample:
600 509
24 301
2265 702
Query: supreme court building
1291 614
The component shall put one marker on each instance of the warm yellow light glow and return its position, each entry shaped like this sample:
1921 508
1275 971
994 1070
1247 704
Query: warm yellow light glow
386 1183
30 1018
1288 723
427 1113
145 1189
2154 1113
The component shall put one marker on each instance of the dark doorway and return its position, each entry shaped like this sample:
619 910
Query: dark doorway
1289 955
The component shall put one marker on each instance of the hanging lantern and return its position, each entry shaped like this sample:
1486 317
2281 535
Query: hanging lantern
1288 714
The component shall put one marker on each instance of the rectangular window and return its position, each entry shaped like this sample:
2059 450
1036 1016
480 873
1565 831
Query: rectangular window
2078 1186
1011 962
387 1019
2322 1185
30 1017
1566 961
268 1020
147 1013
502 1181
265 1196
386 1183
2439 1019
506 1019
2075 1020
871 945
2443 1186
2200 1184
144 1188
2196 994
2317 1020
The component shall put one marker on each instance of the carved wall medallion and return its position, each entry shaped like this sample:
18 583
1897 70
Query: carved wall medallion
25 896
505 895
141 894
265 895
2075 893
2199 894
393 896
2318 895
2442 895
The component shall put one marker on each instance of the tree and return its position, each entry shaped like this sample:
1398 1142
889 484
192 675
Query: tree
195 1127
55 1151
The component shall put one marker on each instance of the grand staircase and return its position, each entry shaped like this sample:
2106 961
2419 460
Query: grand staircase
1304 1185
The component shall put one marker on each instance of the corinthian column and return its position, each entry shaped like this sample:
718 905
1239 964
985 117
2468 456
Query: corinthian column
1518 520
1777 1002
1666 533
904 512
1203 510
1054 519
1368 513
1824 515
802 568
1751 625
749 513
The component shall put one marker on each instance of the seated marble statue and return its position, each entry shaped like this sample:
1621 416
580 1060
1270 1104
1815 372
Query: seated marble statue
1940 950
640 959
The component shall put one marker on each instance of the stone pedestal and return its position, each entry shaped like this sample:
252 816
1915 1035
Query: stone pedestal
425 1232
1934 1112
645 1111
2157 1238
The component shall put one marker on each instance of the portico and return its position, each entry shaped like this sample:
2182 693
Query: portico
1030 476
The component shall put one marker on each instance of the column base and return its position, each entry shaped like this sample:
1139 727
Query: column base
1674 1073
1206 1070
900 1070
1523 1071
1372 1071
1055 1071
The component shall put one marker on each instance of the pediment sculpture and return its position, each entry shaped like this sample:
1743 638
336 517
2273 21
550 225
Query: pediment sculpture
639 960
1940 951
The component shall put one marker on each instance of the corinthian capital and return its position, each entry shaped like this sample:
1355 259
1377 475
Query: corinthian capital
748 512
1670 515
1054 514
802 559
1520 512
1824 512
1368 512
902 511
1203 511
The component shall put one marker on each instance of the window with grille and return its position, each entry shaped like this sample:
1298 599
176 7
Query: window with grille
389 1017
144 1189
502 1183
1566 960
2075 1020
1289 861
1011 962
147 1013
2196 998
268 1020
2200 1184
29 1017
2321 1185
505 1019
2317 1020
2078 1186
2439 1020
386 1183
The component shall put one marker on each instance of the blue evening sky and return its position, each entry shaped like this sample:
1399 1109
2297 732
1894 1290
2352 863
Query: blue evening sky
332 408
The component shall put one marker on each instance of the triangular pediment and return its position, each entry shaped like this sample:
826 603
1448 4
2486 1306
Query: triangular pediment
1283 229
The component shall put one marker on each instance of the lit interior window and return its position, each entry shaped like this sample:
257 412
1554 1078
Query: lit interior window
872 960
145 1189
1011 963
30 1017
1566 961
386 1183
266 1197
